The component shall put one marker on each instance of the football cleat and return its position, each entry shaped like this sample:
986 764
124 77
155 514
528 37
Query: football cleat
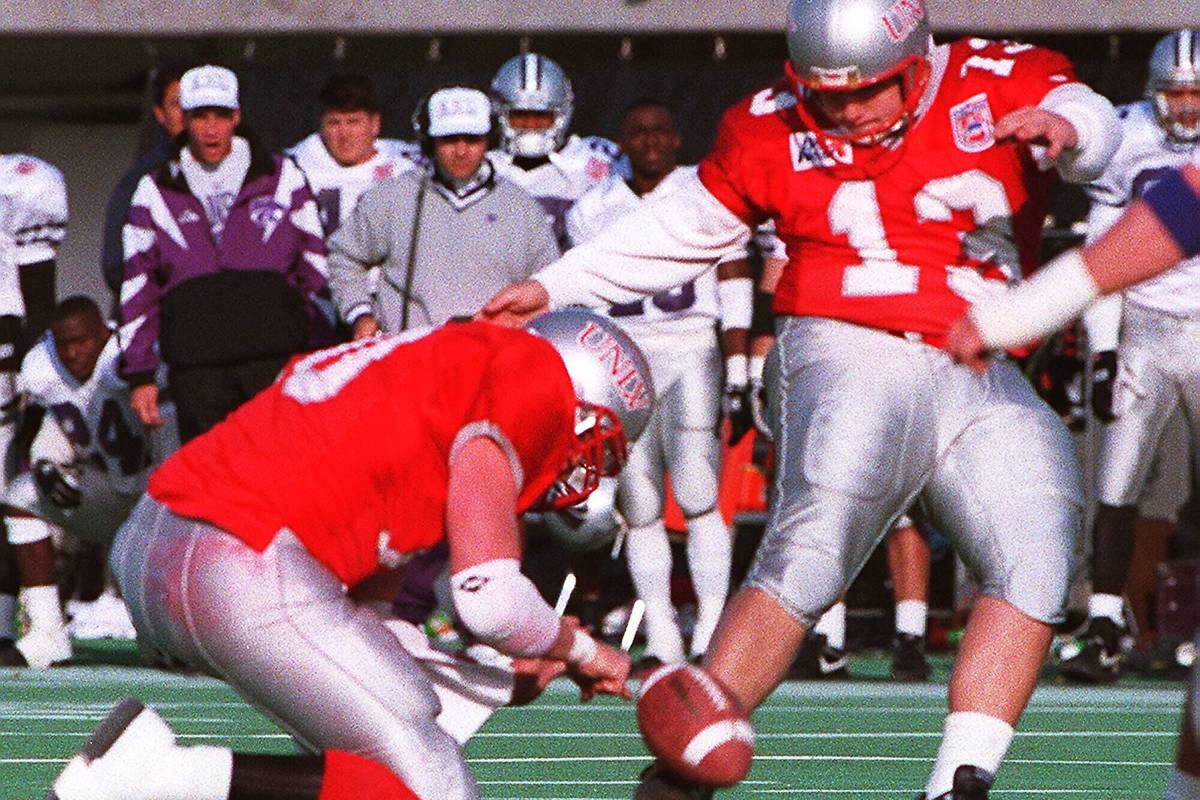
970 783
659 784
909 664
818 661
106 617
1100 659
115 756
45 646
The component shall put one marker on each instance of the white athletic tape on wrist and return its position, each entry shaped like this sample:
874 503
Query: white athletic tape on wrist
737 370
503 608
26 530
1057 294
737 303
583 649
757 365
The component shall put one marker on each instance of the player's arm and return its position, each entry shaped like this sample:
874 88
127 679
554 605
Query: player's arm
735 292
139 308
1158 231
354 248
665 242
493 599
1072 127
1102 320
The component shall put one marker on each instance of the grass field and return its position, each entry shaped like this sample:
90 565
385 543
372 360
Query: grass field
864 738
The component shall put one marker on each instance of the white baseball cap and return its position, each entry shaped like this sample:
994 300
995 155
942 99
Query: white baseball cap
208 86
457 111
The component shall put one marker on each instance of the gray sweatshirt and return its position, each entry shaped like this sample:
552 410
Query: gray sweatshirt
468 247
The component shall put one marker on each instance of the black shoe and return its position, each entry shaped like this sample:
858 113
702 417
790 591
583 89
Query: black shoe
970 783
10 656
658 784
908 659
818 661
1100 659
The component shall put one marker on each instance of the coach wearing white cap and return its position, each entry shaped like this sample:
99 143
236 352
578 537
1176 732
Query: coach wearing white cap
443 237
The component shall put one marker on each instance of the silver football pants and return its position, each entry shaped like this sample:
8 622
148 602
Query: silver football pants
1158 371
278 627
865 422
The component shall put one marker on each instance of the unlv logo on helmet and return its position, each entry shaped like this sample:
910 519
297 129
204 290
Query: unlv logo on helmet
903 18
626 378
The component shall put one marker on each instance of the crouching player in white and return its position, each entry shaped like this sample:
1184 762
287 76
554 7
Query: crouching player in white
89 462
676 329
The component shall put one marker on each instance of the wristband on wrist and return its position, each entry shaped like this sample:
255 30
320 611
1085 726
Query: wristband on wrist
757 364
736 370
583 649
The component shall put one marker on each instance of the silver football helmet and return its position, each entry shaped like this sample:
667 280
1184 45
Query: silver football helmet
1175 65
614 393
589 525
531 82
846 44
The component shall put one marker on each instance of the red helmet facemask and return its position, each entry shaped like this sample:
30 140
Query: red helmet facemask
873 152
598 450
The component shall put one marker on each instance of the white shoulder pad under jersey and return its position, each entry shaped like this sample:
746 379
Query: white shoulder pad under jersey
338 188
33 221
1145 156
581 163
682 318
95 414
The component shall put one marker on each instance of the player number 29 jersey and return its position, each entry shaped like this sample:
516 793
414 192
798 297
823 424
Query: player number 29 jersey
948 216
681 318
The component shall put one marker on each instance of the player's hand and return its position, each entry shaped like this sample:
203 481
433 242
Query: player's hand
1104 376
735 406
365 327
58 483
1037 126
756 396
606 673
515 304
144 401
965 345
531 676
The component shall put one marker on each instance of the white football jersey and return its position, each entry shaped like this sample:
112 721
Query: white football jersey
338 188
1145 155
576 167
683 318
33 221
94 416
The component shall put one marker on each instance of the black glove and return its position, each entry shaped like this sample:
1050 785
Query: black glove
757 395
1104 376
735 405
59 483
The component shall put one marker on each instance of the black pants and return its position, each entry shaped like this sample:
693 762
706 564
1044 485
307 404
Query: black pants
205 395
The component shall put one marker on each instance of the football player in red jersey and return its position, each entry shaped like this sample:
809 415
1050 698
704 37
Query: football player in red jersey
907 180
238 560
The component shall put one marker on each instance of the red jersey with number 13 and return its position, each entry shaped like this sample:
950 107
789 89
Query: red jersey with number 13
906 249
350 448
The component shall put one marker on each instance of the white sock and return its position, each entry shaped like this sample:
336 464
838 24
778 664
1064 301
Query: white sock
41 604
1183 786
709 553
200 772
833 625
8 614
969 738
911 616
1107 605
649 555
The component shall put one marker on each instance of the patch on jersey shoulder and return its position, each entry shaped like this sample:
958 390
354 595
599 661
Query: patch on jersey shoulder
596 168
808 152
383 171
972 124
768 101
26 167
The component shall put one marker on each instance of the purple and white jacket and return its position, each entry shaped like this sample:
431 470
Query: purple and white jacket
253 295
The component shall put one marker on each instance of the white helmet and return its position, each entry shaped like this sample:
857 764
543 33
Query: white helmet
847 44
532 82
1175 64
614 391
